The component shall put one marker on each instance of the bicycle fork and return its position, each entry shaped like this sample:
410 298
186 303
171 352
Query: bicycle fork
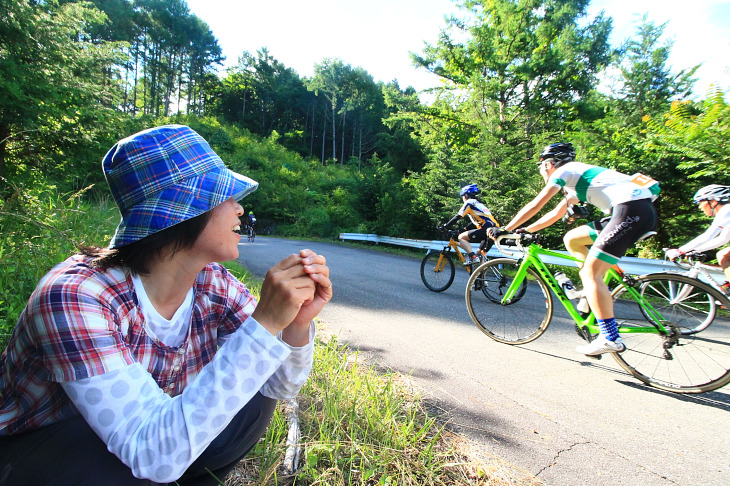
441 263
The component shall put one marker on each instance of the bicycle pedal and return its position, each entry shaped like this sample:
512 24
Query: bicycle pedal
583 333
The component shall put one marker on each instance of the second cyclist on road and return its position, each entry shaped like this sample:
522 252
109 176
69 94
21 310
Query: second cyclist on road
481 219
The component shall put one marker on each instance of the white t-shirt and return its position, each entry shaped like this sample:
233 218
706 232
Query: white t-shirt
171 332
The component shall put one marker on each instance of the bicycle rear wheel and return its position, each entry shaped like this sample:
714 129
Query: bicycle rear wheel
437 271
521 320
699 306
679 362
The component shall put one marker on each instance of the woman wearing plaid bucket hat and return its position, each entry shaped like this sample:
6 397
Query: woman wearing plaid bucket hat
147 362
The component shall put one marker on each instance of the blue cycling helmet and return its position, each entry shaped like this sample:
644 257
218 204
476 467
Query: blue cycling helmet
471 189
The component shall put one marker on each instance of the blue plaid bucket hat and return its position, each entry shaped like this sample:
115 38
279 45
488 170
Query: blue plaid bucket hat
166 175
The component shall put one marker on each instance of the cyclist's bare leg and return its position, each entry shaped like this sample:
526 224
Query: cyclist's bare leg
464 242
578 240
595 289
485 246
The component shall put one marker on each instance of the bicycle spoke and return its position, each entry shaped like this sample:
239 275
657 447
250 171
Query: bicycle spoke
437 271
686 362
696 307
521 320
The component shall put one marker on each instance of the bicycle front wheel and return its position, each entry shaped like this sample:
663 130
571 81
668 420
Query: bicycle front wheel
521 320
496 284
437 271
679 361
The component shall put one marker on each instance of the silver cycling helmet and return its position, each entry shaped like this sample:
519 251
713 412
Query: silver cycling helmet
713 191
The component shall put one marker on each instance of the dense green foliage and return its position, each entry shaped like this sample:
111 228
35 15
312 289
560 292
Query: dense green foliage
340 151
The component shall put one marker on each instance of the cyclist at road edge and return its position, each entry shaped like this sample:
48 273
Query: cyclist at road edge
250 219
629 201
713 201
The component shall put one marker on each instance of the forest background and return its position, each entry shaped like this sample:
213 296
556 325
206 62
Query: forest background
337 151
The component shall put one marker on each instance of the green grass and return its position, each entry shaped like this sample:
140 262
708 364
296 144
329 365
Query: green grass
361 427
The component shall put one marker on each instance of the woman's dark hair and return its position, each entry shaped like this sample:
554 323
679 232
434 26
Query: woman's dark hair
137 256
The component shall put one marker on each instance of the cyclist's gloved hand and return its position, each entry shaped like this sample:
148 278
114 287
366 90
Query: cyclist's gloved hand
521 231
673 254
494 232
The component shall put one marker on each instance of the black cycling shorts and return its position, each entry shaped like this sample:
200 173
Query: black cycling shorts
616 234
478 234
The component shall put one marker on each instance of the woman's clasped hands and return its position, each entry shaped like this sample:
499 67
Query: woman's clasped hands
294 291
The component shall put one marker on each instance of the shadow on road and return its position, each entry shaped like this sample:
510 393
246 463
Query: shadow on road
717 399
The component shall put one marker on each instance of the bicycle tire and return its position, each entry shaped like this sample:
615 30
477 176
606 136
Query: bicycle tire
697 362
520 321
690 298
497 284
434 279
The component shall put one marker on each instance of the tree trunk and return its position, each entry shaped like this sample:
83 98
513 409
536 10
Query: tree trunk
344 114
334 131
359 148
324 133
311 141
136 79
354 133
4 135
243 108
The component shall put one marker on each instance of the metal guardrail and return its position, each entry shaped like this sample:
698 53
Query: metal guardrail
630 265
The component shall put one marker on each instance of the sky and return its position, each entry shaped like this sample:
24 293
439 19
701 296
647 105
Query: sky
378 35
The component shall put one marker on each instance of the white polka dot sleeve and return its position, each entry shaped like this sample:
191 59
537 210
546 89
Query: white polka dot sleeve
289 378
159 436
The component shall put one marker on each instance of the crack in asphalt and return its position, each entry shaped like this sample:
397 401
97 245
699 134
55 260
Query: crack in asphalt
555 459
586 442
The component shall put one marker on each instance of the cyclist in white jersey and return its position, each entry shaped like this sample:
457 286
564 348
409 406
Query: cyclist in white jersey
481 219
712 201
629 201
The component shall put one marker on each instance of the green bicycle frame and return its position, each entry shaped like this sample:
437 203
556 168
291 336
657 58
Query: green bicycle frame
531 258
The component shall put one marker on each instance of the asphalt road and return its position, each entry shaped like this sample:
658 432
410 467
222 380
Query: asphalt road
541 407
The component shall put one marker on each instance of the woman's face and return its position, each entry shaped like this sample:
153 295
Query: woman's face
218 241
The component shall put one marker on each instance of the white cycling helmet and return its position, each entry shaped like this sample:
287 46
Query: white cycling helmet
713 191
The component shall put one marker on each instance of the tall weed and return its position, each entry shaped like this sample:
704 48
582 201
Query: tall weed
39 227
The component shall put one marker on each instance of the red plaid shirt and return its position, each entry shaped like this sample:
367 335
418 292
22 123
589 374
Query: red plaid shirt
81 321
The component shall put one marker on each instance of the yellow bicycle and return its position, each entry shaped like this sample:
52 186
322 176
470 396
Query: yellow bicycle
438 269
